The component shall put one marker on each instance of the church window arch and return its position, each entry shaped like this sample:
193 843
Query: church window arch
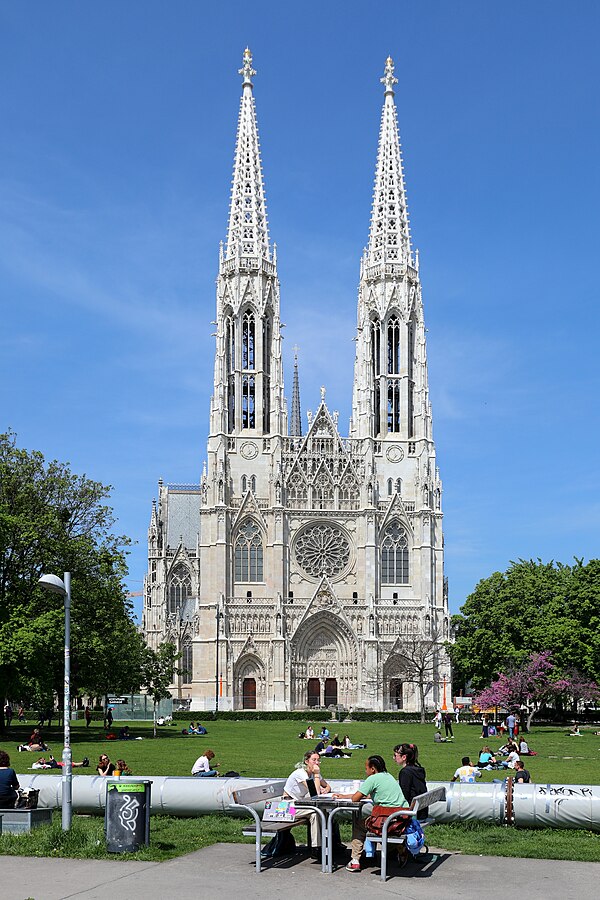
390 487
253 484
248 340
180 588
398 485
376 372
393 406
230 363
322 492
393 346
266 348
244 484
248 401
187 662
248 553
394 555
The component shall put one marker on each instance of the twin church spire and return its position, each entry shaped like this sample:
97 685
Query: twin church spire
248 398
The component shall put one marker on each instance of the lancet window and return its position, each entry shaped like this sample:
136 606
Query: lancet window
266 345
187 662
394 555
180 588
393 406
376 372
248 341
230 364
248 401
393 346
248 553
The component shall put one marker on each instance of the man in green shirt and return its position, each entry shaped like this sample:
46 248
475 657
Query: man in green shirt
384 790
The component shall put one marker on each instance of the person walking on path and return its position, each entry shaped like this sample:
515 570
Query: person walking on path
88 716
510 724
437 720
448 725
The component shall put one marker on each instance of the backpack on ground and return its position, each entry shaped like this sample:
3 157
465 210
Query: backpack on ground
283 844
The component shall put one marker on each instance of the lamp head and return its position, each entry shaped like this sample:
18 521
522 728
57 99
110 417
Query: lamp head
53 583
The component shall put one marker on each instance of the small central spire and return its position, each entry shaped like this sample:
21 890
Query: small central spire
388 76
247 71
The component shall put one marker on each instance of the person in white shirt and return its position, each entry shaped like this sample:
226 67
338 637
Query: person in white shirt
467 772
296 788
512 758
203 768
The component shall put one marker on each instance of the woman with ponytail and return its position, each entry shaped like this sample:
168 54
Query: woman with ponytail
412 777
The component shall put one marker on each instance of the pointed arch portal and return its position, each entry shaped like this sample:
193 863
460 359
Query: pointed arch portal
324 663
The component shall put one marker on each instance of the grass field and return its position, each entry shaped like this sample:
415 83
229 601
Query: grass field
257 748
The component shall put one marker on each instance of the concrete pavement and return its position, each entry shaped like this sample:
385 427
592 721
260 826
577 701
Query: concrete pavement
226 870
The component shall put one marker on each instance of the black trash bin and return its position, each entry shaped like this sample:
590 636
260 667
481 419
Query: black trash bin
127 816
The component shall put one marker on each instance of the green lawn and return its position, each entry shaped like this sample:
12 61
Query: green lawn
257 748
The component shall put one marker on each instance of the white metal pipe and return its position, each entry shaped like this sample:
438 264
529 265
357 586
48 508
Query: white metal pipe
534 805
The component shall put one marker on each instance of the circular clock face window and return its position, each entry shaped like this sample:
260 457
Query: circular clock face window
322 549
249 450
394 453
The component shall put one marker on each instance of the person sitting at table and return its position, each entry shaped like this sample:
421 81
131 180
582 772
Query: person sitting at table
383 789
296 788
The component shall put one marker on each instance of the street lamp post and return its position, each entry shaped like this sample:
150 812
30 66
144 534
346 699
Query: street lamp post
217 662
63 587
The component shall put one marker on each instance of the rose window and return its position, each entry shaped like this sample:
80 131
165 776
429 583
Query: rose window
322 549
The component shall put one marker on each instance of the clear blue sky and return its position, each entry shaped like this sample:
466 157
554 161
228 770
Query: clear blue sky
116 149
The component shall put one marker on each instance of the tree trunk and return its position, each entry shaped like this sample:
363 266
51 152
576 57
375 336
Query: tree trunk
422 696
154 717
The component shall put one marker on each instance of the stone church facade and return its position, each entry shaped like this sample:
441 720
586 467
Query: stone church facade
307 569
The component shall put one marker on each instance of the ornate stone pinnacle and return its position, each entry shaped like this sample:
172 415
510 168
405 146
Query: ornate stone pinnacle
247 71
388 76
323 392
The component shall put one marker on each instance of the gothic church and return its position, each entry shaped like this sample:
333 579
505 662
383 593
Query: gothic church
305 569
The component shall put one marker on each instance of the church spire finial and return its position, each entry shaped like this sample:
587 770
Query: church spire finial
247 71
388 76
296 420
389 238
248 233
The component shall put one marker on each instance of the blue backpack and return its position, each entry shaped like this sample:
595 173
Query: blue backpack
415 836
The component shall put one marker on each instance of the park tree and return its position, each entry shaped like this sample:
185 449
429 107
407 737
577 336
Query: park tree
531 685
530 608
159 668
413 659
52 520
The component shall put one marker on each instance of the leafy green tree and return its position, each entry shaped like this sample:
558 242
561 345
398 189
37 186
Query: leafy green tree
531 608
52 520
158 673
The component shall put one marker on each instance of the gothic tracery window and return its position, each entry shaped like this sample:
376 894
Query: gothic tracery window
187 662
248 340
248 553
180 588
322 548
394 555
248 401
393 346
